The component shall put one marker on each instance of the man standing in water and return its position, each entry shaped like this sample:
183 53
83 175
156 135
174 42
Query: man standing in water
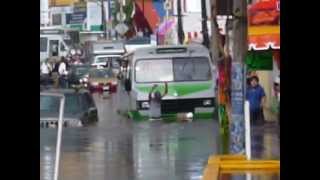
155 99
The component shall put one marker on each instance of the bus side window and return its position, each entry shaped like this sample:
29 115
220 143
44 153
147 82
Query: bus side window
43 44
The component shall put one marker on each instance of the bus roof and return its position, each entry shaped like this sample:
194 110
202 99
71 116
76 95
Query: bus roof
170 51
108 47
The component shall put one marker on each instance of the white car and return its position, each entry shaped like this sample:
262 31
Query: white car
107 61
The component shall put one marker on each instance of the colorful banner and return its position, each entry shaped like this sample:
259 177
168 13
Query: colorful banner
166 26
237 128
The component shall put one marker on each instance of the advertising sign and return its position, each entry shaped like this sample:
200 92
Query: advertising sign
237 101
76 18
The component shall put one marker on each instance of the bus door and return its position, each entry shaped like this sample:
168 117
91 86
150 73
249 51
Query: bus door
53 48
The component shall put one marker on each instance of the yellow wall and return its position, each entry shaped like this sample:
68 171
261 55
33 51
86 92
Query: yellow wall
61 2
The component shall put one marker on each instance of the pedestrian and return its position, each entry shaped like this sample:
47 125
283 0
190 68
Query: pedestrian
45 72
155 99
63 72
256 96
276 85
55 74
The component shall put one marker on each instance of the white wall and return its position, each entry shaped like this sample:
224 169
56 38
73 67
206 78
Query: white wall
44 12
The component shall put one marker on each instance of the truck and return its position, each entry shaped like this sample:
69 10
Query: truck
56 42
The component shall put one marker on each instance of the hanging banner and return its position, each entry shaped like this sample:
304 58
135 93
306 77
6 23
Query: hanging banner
264 13
261 60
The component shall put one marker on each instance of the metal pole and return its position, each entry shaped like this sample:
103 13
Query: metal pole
206 41
109 18
59 136
247 129
180 24
103 20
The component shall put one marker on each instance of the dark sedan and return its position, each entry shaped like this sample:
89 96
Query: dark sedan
79 110
78 74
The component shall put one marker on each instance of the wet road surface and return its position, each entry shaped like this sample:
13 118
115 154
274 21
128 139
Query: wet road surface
119 149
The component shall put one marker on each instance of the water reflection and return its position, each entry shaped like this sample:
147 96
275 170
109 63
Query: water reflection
117 148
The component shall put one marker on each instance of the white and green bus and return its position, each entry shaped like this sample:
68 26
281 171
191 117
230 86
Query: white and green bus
187 69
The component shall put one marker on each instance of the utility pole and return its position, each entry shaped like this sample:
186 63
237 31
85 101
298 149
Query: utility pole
228 53
103 20
180 24
239 51
206 41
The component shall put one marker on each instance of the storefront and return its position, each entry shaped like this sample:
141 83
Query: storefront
263 56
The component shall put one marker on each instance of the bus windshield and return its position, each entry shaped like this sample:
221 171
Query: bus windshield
175 69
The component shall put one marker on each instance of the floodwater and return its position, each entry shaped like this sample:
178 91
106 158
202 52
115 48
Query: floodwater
120 149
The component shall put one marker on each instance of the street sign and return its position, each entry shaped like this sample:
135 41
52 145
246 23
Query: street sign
76 18
120 17
121 28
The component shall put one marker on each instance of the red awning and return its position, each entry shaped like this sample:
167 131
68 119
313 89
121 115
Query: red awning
264 42
263 37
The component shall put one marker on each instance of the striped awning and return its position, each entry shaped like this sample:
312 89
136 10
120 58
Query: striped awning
263 37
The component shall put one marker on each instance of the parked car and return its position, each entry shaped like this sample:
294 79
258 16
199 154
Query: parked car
79 110
102 81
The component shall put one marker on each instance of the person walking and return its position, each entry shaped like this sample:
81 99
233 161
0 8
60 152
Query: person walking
55 74
63 73
155 99
256 96
45 72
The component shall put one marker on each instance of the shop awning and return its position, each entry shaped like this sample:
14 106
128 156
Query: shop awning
263 37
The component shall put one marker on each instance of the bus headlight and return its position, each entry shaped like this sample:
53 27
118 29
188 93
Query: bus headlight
207 102
189 115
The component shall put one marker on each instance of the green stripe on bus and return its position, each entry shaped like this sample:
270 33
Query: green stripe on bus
178 89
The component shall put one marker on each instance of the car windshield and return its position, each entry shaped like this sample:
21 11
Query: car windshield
80 71
176 69
100 73
51 104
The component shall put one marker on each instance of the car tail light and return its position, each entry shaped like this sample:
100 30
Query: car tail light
113 87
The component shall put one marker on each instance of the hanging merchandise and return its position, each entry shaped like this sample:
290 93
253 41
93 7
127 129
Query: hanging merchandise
265 13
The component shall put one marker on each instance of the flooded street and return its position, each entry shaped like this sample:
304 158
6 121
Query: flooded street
120 149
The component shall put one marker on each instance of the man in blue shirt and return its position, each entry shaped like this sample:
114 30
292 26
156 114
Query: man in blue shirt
256 97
